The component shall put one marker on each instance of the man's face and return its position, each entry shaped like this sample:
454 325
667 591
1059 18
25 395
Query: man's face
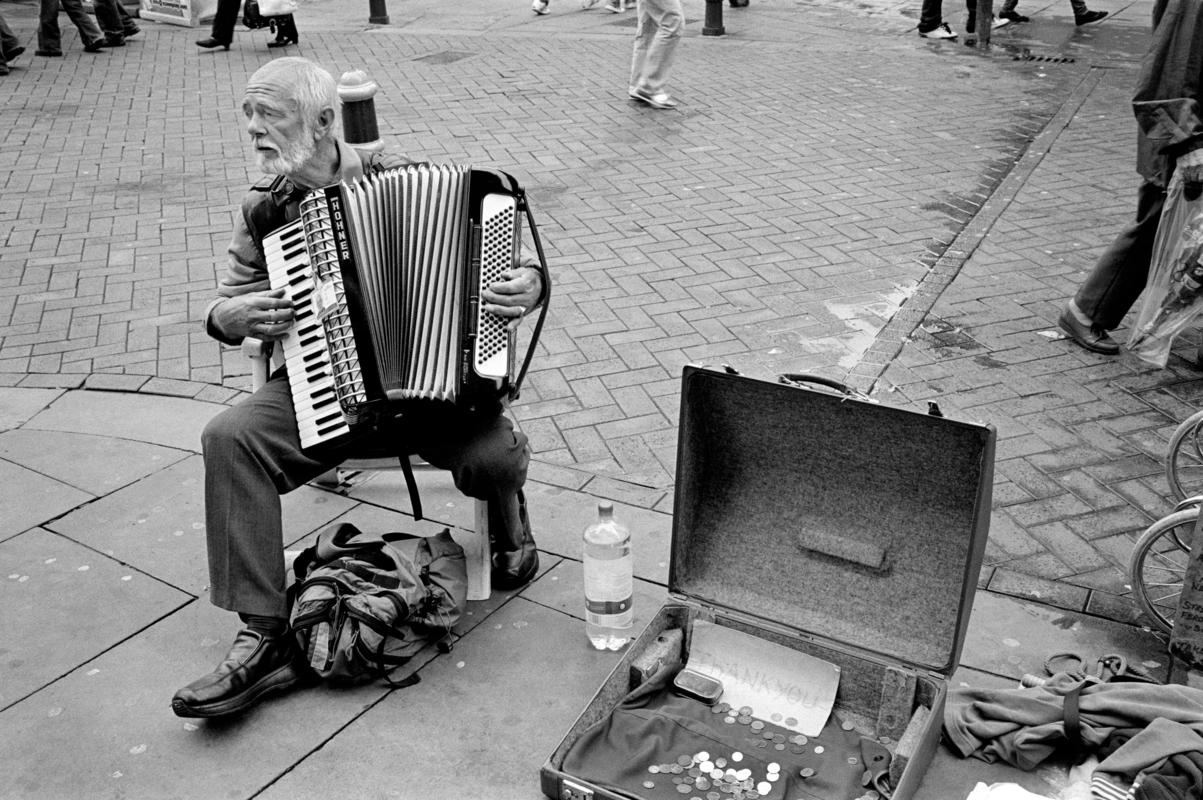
283 141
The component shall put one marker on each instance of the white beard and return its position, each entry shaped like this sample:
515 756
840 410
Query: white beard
291 157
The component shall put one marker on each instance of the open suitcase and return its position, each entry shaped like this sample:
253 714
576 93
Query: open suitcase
823 547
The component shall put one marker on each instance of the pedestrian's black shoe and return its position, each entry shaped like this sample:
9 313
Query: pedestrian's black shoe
11 55
1014 16
114 41
1089 17
49 53
130 30
95 47
210 43
256 666
1092 337
4 70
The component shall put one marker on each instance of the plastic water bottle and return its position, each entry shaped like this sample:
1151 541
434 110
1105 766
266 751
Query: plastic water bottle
609 581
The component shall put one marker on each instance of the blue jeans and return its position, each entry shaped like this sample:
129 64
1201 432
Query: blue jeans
253 455
1119 276
931 15
8 41
656 39
50 38
113 19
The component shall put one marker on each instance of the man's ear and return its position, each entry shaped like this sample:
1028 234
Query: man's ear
325 123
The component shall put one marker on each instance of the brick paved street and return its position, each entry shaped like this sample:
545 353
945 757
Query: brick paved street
835 195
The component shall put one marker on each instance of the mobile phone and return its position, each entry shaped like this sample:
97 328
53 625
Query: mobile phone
694 684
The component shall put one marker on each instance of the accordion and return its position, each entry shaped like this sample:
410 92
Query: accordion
385 274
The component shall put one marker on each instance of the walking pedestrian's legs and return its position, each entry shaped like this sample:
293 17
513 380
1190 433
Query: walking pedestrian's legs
109 19
931 14
49 34
656 38
1120 274
9 43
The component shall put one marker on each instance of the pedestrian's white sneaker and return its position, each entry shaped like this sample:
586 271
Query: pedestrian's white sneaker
941 31
1001 23
540 6
660 100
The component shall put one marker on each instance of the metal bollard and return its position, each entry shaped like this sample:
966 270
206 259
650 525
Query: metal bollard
984 22
378 12
356 92
713 25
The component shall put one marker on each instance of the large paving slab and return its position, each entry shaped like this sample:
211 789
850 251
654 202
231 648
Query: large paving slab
158 419
94 464
31 498
563 588
1010 637
559 518
63 605
106 729
158 524
18 405
458 733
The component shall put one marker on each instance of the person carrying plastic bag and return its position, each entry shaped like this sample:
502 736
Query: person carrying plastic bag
1173 296
1167 104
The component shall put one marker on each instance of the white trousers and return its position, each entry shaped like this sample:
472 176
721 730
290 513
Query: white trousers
656 38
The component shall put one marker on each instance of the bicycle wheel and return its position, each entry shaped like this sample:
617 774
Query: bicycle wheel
1158 565
1184 458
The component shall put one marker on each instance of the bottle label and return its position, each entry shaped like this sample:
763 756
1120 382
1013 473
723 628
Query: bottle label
607 607
609 585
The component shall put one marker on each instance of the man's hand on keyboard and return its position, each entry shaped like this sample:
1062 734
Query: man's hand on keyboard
264 315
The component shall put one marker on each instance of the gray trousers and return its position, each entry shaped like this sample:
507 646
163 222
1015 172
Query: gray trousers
656 39
253 455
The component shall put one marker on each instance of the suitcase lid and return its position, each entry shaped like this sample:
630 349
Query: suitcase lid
839 518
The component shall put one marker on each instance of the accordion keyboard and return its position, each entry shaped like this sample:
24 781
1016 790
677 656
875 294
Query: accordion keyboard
306 355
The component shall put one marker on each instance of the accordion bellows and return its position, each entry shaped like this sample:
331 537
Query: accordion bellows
395 263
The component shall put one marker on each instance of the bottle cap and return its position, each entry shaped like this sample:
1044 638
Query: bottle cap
605 508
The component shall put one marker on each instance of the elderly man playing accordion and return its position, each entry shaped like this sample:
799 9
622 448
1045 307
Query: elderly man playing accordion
252 451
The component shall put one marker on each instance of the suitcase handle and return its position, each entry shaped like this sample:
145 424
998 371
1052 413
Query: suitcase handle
802 379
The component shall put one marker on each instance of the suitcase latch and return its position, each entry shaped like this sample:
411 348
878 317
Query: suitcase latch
574 791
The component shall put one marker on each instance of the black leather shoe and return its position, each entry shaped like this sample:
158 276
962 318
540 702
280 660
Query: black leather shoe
283 41
1092 337
256 666
210 43
513 569
1089 17
114 41
95 47
49 53
11 55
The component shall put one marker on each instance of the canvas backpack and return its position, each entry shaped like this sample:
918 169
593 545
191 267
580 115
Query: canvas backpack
363 603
